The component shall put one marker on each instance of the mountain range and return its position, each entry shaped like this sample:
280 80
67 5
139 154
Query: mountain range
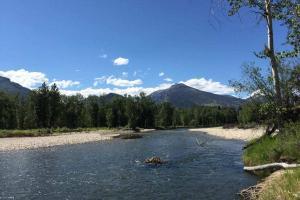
179 95
183 96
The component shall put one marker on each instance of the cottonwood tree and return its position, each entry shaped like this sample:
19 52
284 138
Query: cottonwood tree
288 13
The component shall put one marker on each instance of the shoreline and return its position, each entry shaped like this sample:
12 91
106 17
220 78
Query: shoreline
23 143
232 133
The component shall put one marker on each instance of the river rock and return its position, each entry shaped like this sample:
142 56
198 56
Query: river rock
154 160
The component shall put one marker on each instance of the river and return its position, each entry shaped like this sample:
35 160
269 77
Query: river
198 167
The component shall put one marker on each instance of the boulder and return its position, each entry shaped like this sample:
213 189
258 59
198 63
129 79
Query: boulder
154 160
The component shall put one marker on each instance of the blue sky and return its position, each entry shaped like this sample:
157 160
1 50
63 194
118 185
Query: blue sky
99 46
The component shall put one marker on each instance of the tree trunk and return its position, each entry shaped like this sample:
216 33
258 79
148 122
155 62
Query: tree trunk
271 53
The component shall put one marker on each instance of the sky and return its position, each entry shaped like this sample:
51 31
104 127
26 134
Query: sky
95 47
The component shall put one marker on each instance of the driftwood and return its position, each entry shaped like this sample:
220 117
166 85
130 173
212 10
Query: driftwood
271 166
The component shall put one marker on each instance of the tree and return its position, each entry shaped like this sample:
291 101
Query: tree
110 118
249 113
30 118
93 110
165 115
8 118
74 111
286 11
41 97
132 111
147 111
54 106
261 88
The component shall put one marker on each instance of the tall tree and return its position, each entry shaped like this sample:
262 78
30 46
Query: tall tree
54 105
165 115
42 105
286 11
132 111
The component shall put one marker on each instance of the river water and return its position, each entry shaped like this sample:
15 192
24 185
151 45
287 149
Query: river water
199 167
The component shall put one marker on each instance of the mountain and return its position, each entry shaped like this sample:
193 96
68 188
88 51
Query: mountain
12 88
110 97
183 96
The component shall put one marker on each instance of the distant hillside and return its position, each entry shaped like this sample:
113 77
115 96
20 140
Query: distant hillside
12 88
183 96
110 97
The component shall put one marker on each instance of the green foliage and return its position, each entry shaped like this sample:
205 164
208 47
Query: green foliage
7 111
54 106
46 109
165 115
132 111
249 113
285 145
261 88
205 116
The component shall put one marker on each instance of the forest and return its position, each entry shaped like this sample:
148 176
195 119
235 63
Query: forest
46 107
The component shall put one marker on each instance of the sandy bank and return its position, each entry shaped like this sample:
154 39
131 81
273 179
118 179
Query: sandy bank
55 140
232 133
18 143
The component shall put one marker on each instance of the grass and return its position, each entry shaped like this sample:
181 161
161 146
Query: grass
45 132
287 187
284 147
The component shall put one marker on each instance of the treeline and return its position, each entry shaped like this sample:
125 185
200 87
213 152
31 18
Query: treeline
45 107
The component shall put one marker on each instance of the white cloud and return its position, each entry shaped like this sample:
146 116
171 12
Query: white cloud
201 84
161 74
208 86
25 78
99 80
121 61
123 82
119 82
65 83
168 79
130 90
33 80
103 56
